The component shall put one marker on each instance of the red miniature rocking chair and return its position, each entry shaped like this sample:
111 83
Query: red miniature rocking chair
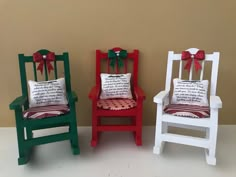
116 93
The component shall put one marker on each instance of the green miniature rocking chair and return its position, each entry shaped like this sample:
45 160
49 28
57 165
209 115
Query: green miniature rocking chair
49 103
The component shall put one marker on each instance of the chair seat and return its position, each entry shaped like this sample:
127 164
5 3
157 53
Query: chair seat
45 111
116 104
192 111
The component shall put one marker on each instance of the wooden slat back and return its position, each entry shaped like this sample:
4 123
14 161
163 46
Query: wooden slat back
191 73
214 58
35 72
180 69
132 56
55 69
202 70
23 60
45 71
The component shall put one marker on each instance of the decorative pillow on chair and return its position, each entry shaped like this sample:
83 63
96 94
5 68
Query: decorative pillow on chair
115 86
46 93
190 92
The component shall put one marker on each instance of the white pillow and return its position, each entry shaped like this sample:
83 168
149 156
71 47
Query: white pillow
45 93
190 92
115 86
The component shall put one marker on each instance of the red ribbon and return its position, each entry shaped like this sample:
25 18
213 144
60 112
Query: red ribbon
187 56
37 57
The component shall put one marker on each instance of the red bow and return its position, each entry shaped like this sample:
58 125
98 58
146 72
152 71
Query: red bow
186 55
41 58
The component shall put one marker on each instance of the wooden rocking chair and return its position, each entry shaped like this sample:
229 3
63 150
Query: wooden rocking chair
131 108
179 113
29 118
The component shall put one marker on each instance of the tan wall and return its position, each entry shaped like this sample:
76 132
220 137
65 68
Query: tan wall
81 26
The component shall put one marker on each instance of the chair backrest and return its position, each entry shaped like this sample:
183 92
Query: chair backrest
23 60
213 58
130 65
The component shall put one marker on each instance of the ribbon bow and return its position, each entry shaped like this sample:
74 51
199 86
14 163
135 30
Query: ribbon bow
118 55
187 56
38 57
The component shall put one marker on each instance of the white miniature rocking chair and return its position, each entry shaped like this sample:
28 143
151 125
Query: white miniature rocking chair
180 112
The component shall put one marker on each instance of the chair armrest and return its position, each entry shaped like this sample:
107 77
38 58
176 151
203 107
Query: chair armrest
161 96
139 93
94 93
215 102
72 97
18 102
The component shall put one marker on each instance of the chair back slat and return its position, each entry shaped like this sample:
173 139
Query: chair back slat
202 70
126 66
180 69
213 58
55 69
35 72
45 71
117 68
108 66
191 73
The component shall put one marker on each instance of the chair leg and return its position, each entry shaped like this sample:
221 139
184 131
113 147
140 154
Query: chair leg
22 149
210 153
160 127
94 140
159 144
138 134
74 137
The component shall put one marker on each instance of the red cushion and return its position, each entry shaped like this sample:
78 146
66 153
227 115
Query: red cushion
45 111
116 104
188 110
